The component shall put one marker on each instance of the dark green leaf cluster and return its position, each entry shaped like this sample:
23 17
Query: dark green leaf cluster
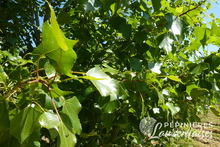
100 67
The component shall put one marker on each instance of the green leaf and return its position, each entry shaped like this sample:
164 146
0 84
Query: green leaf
62 61
215 110
213 60
190 87
172 108
176 27
106 87
106 4
202 35
90 78
49 120
49 70
197 69
215 30
142 86
112 7
70 111
64 18
66 137
85 135
24 123
166 44
136 64
204 39
33 140
205 84
107 120
155 67
117 21
56 30
110 70
197 92
174 24
111 106
53 133
125 29
48 102
121 25
199 33
156 5
91 5
3 75
161 97
57 92
11 142
175 78
5 122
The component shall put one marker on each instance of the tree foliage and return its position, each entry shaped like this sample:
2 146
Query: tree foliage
97 67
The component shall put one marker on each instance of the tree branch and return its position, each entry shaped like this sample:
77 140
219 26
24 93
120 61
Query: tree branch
191 9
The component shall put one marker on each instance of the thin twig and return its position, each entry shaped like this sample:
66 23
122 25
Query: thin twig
190 10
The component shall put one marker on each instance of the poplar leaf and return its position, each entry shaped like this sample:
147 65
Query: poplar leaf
56 30
175 78
24 123
107 86
166 44
49 120
66 137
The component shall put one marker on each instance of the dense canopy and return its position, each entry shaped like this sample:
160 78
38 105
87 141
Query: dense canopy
86 72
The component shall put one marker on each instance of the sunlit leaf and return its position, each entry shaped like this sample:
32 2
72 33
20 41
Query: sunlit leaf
190 87
111 106
90 78
112 7
66 137
166 44
161 97
48 102
24 123
91 5
176 27
199 33
70 111
50 70
172 108
105 87
56 31
174 78
155 67
56 47
3 75
110 70
215 30
57 92
49 120
61 60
